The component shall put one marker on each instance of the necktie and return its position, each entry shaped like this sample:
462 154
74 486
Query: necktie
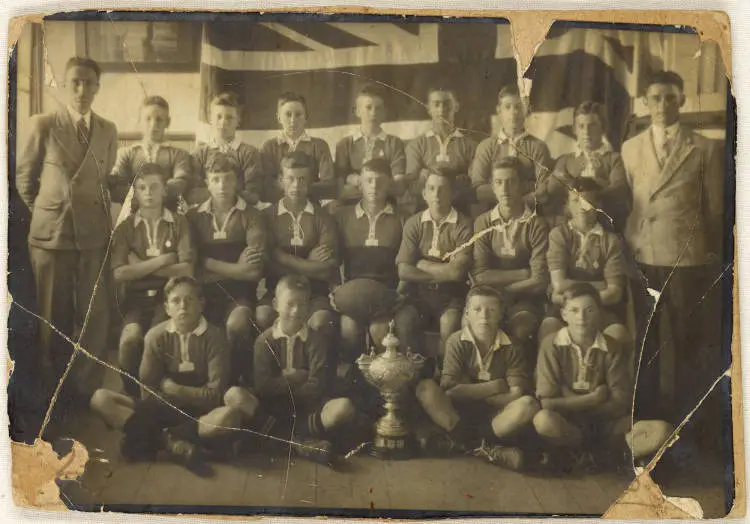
666 148
82 131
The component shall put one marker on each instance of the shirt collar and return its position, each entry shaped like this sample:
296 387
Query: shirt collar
501 339
206 206
359 134
234 144
144 145
455 134
166 215
452 217
606 147
282 138
359 211
502 137
495 215
278 333
597 230
661 133
76 116
282 210
563 339
198 331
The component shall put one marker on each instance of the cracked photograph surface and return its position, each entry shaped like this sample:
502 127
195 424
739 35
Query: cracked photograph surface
371 266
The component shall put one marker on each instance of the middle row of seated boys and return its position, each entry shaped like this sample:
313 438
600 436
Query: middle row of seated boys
444 146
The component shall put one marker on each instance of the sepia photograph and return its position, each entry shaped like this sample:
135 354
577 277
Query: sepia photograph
372 265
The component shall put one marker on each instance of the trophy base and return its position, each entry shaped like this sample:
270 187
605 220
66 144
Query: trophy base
391 448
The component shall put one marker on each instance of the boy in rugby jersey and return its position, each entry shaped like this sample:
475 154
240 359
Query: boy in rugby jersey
369 141
174 162
151 245
224 117
292 114
510 139
230 238
436 285
302 241
584 386
510 253
484 388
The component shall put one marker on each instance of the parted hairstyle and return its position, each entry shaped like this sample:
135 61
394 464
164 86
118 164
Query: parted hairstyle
291 96
218 162
664 77
582 289
82 61
296 160
296 283
150 168
226 99
173 282
378 165
445 172
442 89
590 107
372 90
156 100
485 291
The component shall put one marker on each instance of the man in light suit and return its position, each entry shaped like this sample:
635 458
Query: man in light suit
675 233
61 176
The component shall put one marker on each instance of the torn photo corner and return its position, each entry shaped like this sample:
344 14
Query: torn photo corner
374 264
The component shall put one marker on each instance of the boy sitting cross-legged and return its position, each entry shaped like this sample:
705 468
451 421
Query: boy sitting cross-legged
186 363
485 384
230 237
302 241
149 246
585 390
291 377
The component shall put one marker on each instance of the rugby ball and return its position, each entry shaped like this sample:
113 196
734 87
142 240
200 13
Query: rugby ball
364 299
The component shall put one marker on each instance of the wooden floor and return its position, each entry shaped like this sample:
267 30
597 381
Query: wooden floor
268 485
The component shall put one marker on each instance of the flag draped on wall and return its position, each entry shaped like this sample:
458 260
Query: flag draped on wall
328 63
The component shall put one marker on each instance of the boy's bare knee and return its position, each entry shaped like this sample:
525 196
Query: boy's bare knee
545 423
101 400
338 410
350 328
239 324
238 398
264 317
527 405
321 320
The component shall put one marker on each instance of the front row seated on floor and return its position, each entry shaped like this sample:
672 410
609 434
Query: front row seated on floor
583 389
580 405
186 362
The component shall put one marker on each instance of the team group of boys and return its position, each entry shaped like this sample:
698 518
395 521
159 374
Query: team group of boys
514 259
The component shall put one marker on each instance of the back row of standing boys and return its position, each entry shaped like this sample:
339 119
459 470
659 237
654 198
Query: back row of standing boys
543 271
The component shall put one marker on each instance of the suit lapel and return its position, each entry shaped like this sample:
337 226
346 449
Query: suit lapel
96 135
649 159
683 146
64 133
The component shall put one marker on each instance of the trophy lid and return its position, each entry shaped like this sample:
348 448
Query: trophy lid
390 341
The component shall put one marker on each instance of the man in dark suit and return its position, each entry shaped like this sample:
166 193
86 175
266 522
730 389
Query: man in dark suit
675 233
61 176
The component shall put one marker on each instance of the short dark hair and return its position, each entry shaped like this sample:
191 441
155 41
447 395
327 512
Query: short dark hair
582 289
664 77
442 89
296 160
218 162
590 107
372 90
378 165
508 90
156 100
296 283
485 291
508 162
82 61
184 279
150 168
226 99
586 185
291 96
444 172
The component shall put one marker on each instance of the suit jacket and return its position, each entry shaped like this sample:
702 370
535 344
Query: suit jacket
64 183
677 209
